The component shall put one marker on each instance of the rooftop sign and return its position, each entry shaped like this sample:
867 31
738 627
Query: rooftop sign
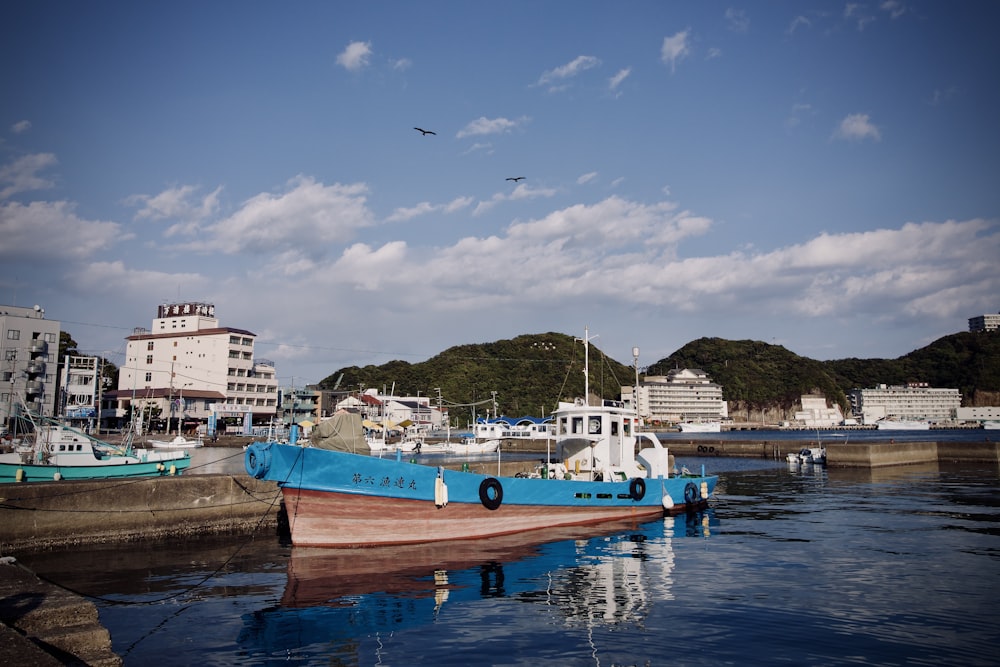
184 309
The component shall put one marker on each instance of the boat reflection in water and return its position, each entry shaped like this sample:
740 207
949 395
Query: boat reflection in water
336 600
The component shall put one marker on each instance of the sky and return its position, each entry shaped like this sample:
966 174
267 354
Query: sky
819 175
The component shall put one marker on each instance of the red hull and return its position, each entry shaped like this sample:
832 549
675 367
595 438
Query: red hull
327 519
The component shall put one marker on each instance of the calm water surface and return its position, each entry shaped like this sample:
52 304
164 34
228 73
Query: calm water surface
795 566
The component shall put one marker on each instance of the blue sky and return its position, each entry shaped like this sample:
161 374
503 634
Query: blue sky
819 175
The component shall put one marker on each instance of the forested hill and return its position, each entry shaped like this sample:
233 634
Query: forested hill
531 373
760 374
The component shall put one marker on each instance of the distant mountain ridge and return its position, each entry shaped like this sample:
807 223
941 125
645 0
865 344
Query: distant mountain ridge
532 372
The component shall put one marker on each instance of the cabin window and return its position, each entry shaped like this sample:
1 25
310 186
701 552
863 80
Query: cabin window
577 425
614 428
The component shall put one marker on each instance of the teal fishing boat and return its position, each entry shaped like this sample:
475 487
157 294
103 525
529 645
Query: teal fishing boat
48 450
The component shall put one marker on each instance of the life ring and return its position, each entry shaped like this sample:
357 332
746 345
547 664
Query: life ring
637 488
491 493
690 493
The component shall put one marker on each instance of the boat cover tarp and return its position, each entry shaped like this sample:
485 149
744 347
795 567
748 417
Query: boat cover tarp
342 432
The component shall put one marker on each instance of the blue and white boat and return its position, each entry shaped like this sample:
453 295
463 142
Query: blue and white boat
53 451
602 468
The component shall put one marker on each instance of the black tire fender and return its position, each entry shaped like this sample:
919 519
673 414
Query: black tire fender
690 493
491 493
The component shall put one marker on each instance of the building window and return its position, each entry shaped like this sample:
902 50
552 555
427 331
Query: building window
13 334
149 377
50 338
149 346
10 355
149 358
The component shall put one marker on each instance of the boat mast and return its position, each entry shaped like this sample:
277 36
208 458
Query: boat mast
586 364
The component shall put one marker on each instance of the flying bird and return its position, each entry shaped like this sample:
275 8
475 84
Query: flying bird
515 178
424 132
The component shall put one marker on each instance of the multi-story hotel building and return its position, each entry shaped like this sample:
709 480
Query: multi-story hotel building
686 394
191 370
988 322
915 400
29 351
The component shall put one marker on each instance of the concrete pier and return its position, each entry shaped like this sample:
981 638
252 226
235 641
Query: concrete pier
42 625
43 515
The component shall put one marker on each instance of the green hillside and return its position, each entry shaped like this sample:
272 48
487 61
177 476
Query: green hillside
531 373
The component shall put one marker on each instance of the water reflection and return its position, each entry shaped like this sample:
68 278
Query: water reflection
602 575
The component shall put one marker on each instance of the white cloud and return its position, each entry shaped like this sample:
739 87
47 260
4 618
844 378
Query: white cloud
478 147
895 8
20 126
52 231
423 208
306 219
355 56
21 175
857 127
675 49
586 178
798 22
522 191
402 64
617 79
483 125
570 69
858 13
737 20
176 203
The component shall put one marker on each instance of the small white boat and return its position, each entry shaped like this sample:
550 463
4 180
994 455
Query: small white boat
179 442
701 427
807 455
902 425
991 426
475 446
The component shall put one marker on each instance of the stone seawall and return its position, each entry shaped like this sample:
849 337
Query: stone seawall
43 515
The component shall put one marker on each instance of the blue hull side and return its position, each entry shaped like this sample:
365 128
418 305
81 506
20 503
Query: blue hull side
326 471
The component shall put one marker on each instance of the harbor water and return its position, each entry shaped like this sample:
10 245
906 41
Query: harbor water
791 565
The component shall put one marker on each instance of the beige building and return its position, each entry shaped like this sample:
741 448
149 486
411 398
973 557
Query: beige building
912 401
685 394
193 370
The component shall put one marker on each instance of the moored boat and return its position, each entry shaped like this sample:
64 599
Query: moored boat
336 495
902 425
700 427
178 442
54 451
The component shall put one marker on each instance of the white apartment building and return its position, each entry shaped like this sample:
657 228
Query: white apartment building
194 370
78 401
682 395
29 351
988 322
915 400
815 413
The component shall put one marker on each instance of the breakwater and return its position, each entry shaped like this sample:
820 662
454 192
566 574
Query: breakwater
42 515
